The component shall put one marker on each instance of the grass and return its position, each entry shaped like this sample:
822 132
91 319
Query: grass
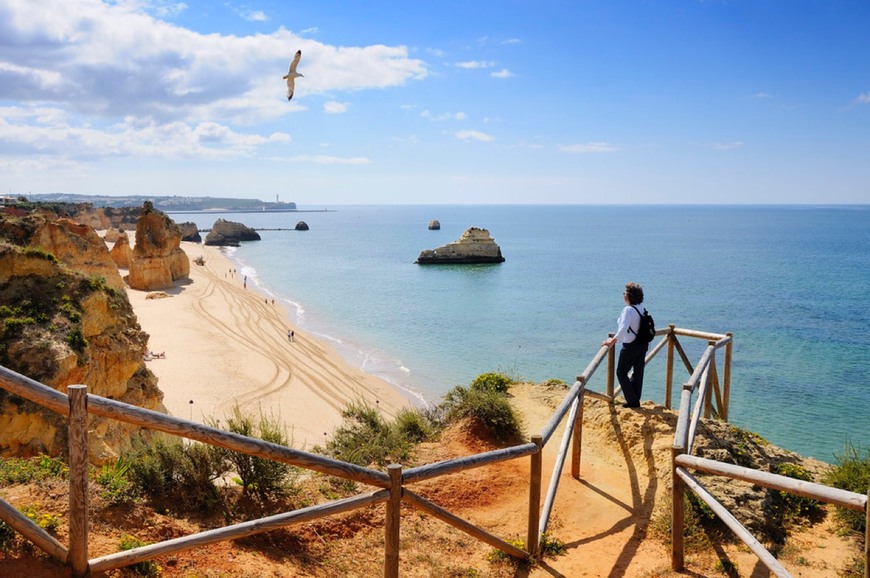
851 473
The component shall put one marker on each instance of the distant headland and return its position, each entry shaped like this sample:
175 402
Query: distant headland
174 203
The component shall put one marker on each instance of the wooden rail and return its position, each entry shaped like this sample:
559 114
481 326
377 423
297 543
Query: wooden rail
712 400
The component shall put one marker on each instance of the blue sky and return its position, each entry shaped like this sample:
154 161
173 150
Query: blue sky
617 101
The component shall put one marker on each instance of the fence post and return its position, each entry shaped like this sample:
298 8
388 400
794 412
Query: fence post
708 395
726 377
577 436
867 537
535 495
678 492
78 479
611 369
391 525
669 375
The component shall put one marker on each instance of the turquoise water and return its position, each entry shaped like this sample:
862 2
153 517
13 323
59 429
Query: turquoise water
791 283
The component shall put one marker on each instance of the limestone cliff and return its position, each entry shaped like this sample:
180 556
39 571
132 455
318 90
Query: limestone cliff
62 324
121 252
474 246
158 259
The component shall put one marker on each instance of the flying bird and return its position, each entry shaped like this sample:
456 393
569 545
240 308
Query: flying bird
291 75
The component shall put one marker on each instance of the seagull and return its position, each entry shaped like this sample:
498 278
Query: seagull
291 75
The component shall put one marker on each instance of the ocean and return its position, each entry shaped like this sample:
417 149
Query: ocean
790 282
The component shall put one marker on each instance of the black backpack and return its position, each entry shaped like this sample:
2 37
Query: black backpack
647 330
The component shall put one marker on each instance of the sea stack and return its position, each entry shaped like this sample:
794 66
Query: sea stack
434 225
475 246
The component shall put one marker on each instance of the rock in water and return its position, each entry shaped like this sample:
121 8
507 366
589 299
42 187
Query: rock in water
473 247
228 234
434 225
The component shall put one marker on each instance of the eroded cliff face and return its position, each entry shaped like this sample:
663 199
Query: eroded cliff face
62 322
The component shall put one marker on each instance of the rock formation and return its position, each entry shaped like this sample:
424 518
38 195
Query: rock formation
434 225
301 226
75 245
473 247
158 260
112 235
121 252
228 234
190 233
61 324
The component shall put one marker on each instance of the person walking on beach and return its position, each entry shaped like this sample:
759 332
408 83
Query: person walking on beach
291 335
633 352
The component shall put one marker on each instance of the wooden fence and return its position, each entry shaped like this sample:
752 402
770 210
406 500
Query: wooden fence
393 486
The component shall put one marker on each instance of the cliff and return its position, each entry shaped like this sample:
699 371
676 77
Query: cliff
474 246
62 322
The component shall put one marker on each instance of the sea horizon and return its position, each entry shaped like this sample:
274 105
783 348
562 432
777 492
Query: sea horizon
777 276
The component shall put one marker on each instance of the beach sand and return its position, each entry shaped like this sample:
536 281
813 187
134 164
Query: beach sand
228 344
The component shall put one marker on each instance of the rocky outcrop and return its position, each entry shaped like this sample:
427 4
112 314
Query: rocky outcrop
301 226
158 260
61 324
228 234
121 252
75 245
434 225
111 235
473 247
190 233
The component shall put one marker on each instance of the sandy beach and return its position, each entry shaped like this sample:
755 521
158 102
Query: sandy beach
228 344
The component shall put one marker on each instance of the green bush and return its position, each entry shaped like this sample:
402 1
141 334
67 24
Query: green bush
117 489
413 425
486 408
365 438
22 471
184 472
493 382
791 508
851 473
263 478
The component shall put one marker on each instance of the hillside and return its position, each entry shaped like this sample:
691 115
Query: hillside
609 521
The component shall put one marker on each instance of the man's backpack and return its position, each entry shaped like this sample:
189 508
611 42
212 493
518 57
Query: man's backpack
647 330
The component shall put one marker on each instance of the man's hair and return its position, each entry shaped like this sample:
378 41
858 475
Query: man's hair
634 292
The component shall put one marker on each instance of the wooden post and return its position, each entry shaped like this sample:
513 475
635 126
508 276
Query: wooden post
392 523
708 394
577 438
678 492
611 369
535 496
867 537
726 377
669 375
78 479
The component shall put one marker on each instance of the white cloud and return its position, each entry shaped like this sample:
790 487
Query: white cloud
102 63
474 64
333 107
473 135
590 147
444 116
863 98
503 73
255 16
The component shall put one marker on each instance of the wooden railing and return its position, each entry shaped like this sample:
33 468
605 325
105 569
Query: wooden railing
393 484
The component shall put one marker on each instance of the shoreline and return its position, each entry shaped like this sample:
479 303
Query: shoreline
226 343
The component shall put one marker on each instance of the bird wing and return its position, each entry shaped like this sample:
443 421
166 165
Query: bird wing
290 86
295 62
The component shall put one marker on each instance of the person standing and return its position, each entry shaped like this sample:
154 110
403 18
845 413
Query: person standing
633 353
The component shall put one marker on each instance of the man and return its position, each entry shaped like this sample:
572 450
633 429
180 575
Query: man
633 353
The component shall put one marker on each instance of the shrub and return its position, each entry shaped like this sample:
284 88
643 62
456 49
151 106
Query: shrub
22 471
45 520
113 477
485 408
851 473
494 382
185 472
413 425
365 438
264 478
792 508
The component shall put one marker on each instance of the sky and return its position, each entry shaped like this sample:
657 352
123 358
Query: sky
472 102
